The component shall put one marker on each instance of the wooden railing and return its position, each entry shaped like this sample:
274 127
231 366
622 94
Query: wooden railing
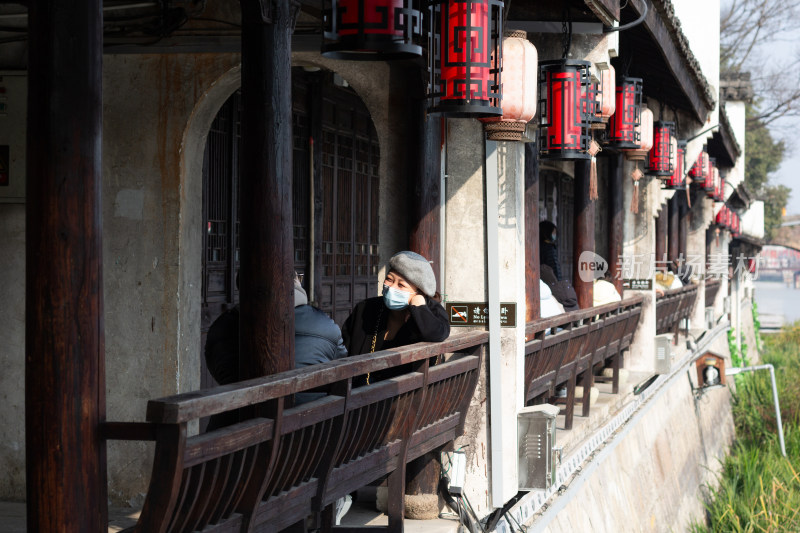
281 464
712 288
674 305
560 348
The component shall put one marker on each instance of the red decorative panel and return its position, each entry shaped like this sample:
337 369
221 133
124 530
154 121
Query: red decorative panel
627 115
564 109
466 80
659 159
372 30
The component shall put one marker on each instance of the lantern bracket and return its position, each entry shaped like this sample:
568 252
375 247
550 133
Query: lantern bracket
542 26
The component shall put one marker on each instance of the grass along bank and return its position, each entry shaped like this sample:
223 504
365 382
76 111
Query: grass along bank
759 489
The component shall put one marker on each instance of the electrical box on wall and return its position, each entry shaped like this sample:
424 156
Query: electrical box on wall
13 98
663 360
537 453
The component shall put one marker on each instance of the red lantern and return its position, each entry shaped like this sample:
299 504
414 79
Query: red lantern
371 29
627 115
660 157
467 58
678 179
564 122
712 178
520 64
700 170
720 190
721 218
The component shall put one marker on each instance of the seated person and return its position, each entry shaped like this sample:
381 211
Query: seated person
406 313
604 291
548 253
317 340
549 304
562 290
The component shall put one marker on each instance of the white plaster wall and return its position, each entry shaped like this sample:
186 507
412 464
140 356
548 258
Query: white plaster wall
655 479
753 220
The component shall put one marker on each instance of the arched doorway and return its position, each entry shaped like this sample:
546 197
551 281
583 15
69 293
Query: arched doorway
336 159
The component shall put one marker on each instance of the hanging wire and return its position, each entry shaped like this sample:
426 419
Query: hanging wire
566 29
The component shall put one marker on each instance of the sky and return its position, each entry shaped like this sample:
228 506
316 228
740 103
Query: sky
782 52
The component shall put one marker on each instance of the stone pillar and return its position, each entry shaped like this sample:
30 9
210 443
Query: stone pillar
583 236
639 249
266 325
486 258
64 335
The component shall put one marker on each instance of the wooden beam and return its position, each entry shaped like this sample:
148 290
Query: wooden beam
266 326
673 232
662 229
675 60
532 276
64 339
616 218
425 176
583 233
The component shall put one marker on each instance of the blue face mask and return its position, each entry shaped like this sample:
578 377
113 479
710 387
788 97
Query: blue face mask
395 299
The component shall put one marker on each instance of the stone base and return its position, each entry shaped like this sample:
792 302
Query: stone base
418 506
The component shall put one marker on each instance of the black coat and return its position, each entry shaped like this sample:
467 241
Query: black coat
427 323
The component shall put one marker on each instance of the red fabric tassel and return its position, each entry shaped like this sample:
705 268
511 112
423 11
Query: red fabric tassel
636 175
594 148
688 194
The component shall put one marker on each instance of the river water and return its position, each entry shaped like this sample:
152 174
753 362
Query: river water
776 299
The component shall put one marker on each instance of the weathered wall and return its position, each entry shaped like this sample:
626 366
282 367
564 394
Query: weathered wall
12 353
654 479
157 110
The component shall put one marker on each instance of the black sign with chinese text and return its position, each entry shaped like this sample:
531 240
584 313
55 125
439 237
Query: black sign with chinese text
477 314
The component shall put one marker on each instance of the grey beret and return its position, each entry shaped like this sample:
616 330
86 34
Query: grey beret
415 269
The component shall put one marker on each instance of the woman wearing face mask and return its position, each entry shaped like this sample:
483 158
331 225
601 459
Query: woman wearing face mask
406 313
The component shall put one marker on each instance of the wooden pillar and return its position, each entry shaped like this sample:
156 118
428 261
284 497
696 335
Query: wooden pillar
422 474
266 326
584 233
532 299
683 226
425 179
662 228
672 239
616 218
64 339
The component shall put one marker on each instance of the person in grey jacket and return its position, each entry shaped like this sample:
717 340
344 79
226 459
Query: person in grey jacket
317 339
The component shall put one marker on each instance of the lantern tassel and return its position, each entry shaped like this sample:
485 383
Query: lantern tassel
636 175
688 194
594 148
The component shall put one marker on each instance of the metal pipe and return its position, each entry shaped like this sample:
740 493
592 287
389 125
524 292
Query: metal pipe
734 371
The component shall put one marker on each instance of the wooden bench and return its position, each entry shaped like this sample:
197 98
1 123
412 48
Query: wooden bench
283 463
673 306
559 349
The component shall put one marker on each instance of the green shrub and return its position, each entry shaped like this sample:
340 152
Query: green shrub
759 489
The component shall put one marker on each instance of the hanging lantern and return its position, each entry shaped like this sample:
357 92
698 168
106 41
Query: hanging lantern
712 178
645 130
627 115
719 194
721 219
591 103
520 64
607 97
371 29
678 179
563 118
660 159
467 57
700 170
